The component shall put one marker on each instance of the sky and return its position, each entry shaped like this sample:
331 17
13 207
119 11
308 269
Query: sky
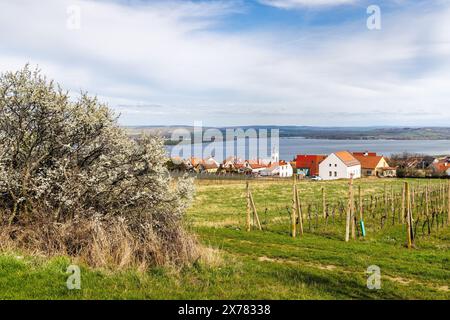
238 62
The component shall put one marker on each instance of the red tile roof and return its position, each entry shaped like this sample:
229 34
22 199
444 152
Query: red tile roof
441 166
209 165
257 166
369 161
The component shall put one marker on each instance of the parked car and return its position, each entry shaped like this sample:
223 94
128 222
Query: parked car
316 178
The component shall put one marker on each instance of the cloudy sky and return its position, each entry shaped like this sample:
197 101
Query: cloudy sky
237 62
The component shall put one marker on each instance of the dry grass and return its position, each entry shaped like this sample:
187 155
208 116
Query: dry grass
107 243
209 256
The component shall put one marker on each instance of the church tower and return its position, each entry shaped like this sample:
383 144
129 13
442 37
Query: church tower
275 156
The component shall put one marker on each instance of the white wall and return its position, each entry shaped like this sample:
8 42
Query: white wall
281 171
337 168
355 170
286 170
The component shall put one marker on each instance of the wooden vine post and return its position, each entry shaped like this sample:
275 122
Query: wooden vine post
323 204
448 202
409 231
294 210
353 216
248 207
385 200
361 208
350 207
251 208
298 210
402 213
393 204
413 200
255 213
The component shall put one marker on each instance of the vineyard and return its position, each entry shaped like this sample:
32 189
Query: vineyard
272 264
422 207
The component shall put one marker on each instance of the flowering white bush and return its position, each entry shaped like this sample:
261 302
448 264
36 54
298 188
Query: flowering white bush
62 161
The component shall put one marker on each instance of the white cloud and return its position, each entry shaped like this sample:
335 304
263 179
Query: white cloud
175 55
290 4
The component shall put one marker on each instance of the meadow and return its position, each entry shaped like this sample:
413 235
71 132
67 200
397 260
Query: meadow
267 264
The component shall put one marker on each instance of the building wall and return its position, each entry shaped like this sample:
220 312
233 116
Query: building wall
337 168
355 171
377 171
368 172
286 171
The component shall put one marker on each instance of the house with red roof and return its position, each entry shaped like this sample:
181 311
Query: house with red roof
374 165
441 166
254 167
308 164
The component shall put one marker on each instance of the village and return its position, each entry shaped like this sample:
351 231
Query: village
337 165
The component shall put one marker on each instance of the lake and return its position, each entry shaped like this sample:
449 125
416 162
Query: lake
290 147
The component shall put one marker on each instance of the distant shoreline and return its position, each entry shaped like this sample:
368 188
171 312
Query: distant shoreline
174 142
329 133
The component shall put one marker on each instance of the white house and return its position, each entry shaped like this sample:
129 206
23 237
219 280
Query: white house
281 169
340 165
285 170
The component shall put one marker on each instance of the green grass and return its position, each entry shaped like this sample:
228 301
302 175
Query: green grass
265 264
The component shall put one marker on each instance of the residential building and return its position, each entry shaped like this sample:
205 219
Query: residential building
285 169
207 167
374 165
254 166
281 169
308 165
441 167
340 165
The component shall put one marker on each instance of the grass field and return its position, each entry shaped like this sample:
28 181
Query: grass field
266 264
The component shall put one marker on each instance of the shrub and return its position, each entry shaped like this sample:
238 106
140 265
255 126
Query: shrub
73 182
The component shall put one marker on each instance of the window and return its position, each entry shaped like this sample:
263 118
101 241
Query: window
331 173
330 165
335 173
335 164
